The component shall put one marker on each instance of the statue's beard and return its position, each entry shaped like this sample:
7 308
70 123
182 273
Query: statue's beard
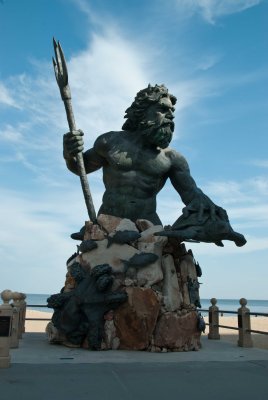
158 135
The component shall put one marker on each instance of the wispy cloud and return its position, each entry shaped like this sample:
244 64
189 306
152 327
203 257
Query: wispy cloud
211 10
260 163
208 61
247 207
34 237
10 134
6 97
100 81
232 192
254 244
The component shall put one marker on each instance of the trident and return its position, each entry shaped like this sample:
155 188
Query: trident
61 74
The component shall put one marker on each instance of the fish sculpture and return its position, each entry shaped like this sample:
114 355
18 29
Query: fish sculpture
201 325
87 245
198 269
123 237
139 260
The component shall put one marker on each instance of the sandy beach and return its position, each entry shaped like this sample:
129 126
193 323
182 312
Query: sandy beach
257 323
36 326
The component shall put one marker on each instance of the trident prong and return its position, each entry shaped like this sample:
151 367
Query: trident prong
60 69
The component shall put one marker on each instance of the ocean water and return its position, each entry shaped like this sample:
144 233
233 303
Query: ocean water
38 299
258 306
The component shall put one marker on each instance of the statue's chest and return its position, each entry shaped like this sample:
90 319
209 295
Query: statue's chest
144 161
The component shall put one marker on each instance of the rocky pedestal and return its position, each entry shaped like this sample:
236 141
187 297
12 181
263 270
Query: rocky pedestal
128 289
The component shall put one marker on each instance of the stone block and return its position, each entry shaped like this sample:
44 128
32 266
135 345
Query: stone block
126 225
108 222
187 270
144 224
177 332
109 334
148 235
135 320
187 267
113 255
171 291
93 232
53 334
151 274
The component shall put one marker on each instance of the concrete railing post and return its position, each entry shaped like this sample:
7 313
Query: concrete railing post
213 320
17 305
244 326
15 333
23 312
6 314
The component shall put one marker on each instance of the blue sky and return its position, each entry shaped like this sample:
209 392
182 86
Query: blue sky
211 54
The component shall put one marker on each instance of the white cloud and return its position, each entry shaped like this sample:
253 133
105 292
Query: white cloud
101 91
10 134
99 79
211 10
250 191
246 205
260 163
207 61
253 244
6 97
34 237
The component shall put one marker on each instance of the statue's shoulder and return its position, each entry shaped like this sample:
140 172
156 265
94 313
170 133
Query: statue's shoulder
178 161
106 139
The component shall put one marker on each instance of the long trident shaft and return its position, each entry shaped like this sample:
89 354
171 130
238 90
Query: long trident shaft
61 74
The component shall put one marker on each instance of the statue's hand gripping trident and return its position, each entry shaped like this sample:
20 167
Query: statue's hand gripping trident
61 74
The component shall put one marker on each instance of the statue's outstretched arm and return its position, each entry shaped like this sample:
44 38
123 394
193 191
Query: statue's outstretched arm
202 220
193 197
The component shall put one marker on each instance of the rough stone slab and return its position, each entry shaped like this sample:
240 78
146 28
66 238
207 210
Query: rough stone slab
148 235
126 225
110 340
187 269
108 222
171 291
151 274
175 247
93 232
112 255
135 320
144 224
53 334
177 332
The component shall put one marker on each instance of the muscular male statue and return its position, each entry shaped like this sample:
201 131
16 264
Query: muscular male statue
136 163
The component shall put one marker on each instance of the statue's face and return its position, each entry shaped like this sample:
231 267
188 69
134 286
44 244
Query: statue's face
159 125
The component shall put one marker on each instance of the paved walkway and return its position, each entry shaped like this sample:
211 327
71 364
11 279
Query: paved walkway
220 371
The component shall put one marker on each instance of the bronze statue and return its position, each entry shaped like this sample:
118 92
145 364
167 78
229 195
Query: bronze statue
136 163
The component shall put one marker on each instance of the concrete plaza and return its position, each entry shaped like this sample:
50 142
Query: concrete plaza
220 370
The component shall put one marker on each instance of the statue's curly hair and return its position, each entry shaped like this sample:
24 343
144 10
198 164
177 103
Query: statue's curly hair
135 114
